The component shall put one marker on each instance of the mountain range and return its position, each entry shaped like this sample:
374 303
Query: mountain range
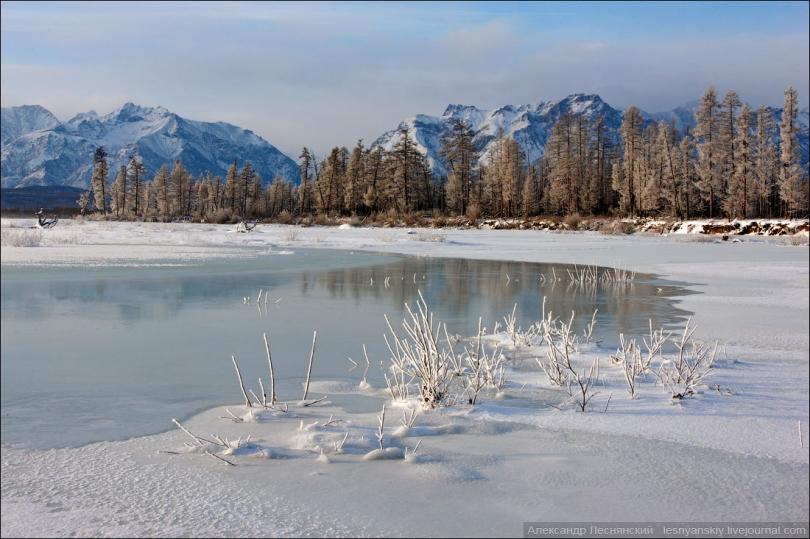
531 125
39 150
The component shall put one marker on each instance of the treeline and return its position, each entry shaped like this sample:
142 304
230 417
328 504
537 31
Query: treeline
736 163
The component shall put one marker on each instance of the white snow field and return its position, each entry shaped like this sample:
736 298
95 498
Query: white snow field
731 453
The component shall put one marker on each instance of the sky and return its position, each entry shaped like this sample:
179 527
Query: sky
326 74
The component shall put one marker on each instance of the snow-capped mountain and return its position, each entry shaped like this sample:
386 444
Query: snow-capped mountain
531 125
40 150
19 121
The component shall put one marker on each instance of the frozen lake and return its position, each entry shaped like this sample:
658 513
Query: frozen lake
110 352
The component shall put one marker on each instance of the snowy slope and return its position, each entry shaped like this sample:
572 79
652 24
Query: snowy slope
19 121
531 125
61 153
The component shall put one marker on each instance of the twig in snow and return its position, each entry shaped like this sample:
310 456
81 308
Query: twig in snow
411 453
408 418
199 439
264 393
258 400
310 403
589 328
232 417
339 445
241 384
309 369
381 421
270 364
608 403
332 421
368 364
228 462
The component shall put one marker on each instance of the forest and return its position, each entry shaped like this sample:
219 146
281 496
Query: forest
736 163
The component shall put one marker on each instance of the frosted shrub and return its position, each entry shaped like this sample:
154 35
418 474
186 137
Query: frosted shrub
558 365
419 356
682 375
482 369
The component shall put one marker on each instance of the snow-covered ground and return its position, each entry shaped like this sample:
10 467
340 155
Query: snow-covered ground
479 471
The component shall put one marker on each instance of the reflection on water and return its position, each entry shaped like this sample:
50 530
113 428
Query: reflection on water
100 353
460 290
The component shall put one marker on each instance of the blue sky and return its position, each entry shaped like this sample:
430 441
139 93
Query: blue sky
321 74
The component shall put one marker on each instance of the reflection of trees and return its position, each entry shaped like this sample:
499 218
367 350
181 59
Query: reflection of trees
458 290
134 295
467 288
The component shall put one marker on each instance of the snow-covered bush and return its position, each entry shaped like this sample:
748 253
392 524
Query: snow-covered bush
419 356
558 365
682 374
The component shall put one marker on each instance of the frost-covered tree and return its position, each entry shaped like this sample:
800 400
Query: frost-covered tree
766 165
671 181
707 133
231 193
246 177
118 193
600 190
98 181
255 198
531 192
561 196
305 190
632 146
502 178
202 194
355 176
792 190
179 183
690 192
135 174
728 119
84 201
330 183
404 190
374 169
161 187
649 191
460 157
215 190
739 183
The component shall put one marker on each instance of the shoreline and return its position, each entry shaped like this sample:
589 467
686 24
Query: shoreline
711 268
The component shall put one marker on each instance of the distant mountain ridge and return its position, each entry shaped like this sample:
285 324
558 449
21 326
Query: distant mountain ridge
38 149
531 125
